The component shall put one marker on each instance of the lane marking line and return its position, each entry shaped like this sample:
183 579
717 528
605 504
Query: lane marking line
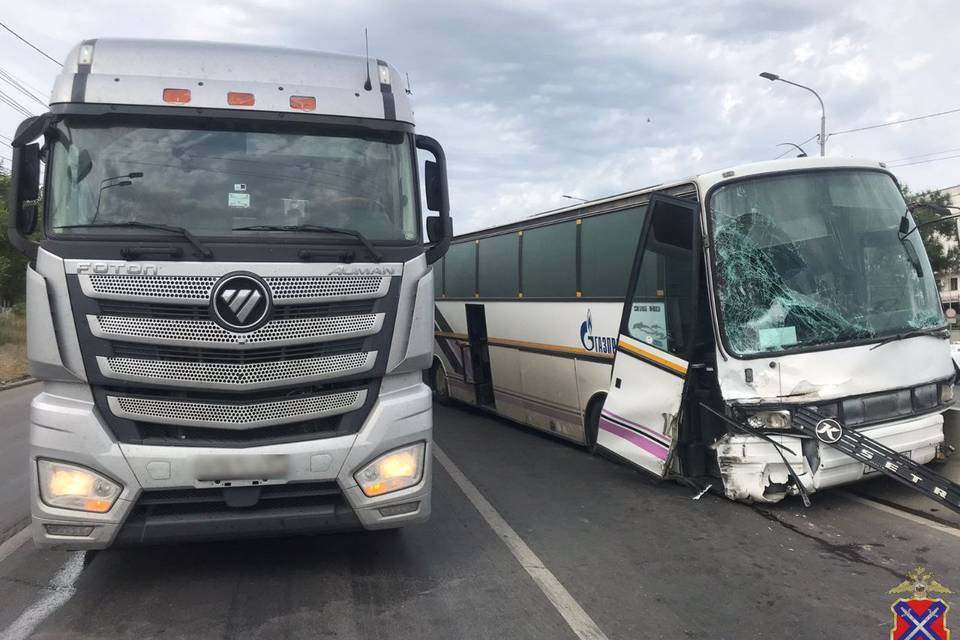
574 615
906 515
58 592
14 542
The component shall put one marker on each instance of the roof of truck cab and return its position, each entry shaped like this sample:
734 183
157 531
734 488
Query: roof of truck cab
135 72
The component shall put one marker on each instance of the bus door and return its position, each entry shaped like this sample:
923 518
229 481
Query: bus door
640 416
479 365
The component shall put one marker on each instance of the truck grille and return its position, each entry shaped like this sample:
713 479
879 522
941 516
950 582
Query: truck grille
257 375
206 332
164 373
284 289
235 415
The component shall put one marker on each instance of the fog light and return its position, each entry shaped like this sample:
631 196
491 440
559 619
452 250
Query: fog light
399 469
70 487
75 530
399 509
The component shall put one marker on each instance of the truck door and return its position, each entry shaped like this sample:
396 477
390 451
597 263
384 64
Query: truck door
641 414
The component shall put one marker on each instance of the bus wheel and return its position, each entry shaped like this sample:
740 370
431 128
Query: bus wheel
591 424
441 388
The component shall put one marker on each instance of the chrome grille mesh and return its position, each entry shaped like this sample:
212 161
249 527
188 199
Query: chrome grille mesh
236 416
236 376
196 289
206 332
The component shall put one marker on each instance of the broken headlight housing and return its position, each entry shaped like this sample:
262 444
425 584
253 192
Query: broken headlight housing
769 419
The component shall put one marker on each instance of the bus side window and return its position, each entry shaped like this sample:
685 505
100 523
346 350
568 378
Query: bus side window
661 302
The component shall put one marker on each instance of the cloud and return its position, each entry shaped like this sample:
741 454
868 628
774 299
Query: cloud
533 99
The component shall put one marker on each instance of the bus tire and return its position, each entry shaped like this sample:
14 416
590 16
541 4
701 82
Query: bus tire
441 388
591 423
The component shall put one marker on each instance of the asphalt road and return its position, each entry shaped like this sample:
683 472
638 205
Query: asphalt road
638 559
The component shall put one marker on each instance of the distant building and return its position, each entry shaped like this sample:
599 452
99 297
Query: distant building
950 281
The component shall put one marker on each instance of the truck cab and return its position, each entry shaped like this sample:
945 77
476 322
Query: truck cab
230 295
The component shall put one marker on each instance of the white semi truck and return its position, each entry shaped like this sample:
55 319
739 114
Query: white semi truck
229 298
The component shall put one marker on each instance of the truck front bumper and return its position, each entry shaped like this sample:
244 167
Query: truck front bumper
164 501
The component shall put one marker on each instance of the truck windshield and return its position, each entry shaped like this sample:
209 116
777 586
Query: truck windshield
213 178
815 258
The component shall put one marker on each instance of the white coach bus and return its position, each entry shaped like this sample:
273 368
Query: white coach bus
773 309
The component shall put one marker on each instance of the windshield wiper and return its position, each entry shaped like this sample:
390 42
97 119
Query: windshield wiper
189 237
316 228
941 332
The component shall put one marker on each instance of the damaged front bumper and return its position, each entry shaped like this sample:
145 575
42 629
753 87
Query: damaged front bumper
753 471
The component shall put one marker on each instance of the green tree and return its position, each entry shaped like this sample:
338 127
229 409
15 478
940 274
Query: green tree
940 240
12 264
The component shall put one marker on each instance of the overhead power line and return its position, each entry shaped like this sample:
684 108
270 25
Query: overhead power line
890 124
16 84
11 102
923 155
910 164
31 45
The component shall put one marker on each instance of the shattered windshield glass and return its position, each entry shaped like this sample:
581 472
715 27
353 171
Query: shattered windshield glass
814 258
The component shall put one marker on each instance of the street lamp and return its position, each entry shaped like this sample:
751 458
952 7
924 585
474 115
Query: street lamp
823 111
574 198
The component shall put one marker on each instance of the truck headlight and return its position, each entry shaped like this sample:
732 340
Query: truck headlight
71 487
398 469
769 420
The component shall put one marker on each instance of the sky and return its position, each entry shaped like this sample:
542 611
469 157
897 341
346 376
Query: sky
534 99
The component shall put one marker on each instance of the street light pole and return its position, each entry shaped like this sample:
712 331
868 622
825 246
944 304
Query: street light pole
823 111
574 198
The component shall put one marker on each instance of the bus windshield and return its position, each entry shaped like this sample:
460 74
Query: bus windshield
213 179
814 258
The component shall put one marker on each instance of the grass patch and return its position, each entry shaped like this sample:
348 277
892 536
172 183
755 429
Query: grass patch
13 346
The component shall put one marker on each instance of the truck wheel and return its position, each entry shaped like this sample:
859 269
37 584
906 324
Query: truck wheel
441 388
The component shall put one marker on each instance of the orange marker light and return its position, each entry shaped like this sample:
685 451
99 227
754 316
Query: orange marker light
177 96
303 103
238 99
97 506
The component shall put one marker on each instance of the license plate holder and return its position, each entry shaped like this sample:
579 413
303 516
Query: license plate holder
229 468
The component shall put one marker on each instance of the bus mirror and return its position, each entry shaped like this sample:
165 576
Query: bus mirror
437 230
432 185
904 225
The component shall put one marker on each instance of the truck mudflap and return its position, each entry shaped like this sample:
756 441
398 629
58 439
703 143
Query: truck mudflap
895 465
855 444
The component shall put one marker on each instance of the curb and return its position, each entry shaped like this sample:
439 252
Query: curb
18 383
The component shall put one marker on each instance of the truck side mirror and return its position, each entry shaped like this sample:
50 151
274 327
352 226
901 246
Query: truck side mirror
24 193
431 185
437 231
440 227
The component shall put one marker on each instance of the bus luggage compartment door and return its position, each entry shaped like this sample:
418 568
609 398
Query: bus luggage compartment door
479 354
641 414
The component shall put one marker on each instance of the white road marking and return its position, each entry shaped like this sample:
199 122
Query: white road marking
578 619
14 542
906 515
58 592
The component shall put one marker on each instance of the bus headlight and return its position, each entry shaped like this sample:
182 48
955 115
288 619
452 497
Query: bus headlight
70 487
946 393
398 469
769 420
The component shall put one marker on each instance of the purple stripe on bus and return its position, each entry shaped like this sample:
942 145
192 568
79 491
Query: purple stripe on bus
638 426
654 449
538 407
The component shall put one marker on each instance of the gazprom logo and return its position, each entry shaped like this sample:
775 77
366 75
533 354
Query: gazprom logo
590 342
